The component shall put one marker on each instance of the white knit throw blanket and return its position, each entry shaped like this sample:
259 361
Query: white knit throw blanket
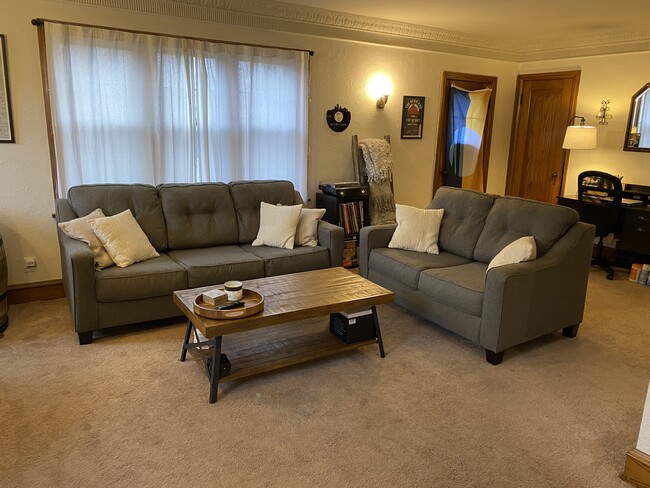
379 168
378 158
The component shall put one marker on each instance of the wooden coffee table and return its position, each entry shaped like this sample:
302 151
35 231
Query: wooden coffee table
287 300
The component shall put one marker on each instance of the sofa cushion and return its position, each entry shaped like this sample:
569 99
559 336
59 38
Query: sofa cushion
113 199
461 287
519 251
462 223
216 265
198 215
247 197
80 229
279 261
405 266
512 218
278 224
417 229
307 230
153 278
123 239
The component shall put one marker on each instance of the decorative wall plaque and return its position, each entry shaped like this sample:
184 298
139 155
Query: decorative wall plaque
338 118
412 117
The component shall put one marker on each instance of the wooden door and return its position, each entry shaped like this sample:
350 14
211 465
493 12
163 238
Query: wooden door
545 105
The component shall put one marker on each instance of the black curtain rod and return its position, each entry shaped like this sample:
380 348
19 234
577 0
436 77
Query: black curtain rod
40 22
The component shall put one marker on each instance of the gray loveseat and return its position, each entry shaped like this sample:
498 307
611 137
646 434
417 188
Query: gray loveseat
510 304
203 233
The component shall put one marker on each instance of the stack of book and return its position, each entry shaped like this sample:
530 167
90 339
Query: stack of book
350 257
351 217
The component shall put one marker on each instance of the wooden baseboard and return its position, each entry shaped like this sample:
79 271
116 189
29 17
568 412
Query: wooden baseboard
31 292
637 468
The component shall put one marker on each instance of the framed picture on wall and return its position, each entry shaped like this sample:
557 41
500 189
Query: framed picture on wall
6 123
412 117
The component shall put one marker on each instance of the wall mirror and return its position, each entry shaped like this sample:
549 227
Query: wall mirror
637 135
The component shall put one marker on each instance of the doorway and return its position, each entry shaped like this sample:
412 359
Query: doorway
467 82
545 103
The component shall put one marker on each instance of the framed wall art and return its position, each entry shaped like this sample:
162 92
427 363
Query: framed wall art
6 122
412 117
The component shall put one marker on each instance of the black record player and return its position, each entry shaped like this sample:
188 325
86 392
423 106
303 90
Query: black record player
344 189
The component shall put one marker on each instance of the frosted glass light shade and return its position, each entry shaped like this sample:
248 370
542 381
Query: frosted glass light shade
580 137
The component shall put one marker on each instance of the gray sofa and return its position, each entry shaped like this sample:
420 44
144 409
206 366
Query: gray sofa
203 233
510 304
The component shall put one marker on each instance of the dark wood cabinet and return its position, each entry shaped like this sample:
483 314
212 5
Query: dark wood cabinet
634 231
349 212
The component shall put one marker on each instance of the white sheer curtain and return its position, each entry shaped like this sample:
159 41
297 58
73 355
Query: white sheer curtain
138 108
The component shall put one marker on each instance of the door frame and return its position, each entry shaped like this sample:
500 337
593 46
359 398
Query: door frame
521 79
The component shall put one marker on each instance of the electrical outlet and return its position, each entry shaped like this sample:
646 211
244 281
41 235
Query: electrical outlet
30 264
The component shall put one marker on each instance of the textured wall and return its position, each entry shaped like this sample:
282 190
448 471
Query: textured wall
616 78
339 71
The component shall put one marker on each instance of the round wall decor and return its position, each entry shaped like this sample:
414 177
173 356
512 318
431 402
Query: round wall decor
338 118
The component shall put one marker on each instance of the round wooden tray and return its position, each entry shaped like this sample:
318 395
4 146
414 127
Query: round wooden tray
253 303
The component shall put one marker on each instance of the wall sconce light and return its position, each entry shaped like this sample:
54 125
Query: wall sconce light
579 136
381 103
379 88
602 115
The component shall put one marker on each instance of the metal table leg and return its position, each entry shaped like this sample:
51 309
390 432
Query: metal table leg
380 343
215 367
186 340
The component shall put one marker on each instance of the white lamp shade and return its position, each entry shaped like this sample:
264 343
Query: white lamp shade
580 137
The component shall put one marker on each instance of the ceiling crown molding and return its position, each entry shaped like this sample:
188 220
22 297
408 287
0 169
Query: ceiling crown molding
284 17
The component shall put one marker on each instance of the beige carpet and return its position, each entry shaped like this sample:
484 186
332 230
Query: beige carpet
124 411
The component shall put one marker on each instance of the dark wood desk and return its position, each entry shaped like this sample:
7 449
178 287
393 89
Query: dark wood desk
634 235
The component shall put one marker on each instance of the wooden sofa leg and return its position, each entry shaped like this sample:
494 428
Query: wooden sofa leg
571 331
494 357
85 337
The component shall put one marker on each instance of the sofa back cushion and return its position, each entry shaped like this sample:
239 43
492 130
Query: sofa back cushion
198 215
463 220
113 199
512 218
247 197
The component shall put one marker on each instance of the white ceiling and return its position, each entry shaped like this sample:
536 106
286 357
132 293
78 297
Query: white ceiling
519 26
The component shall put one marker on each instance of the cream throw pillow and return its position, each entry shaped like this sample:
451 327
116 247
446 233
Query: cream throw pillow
277 225
307 230
417 229
123 238
80 229
523 249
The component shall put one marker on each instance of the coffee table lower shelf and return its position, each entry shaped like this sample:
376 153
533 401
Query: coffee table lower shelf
263 350
281 346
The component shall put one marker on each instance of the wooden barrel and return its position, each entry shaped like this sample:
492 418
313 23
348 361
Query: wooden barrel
4 307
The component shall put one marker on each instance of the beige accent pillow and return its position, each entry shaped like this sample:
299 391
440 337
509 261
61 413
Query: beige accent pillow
123 238
417 229
277 225
80 229
307 230
523 249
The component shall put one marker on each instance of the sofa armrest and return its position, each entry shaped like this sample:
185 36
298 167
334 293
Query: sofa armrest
331 236
370 237
78 272
527 300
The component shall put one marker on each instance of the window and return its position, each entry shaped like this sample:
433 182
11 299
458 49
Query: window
142 108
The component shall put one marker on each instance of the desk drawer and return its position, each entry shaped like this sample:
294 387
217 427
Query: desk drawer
635 234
